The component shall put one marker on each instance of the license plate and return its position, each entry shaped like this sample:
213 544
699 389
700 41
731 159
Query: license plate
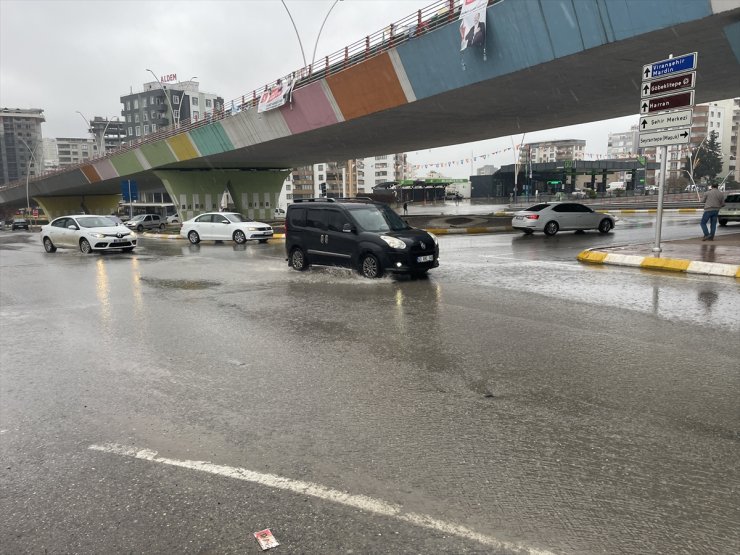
518 217
119 240
427 258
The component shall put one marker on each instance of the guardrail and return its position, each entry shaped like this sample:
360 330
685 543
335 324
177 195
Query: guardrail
434 16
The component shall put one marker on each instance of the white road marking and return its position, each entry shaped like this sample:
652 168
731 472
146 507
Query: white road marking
361 502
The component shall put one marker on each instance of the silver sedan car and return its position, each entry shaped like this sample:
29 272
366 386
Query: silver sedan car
551 217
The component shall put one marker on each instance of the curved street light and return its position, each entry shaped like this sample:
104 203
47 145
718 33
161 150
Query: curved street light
300 43
175 120
28 170
101 142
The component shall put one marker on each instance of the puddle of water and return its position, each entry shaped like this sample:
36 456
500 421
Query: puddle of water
190 284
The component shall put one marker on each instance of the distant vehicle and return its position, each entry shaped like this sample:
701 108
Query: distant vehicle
87 232
225 226
615 186
279 214
551 217
173 219
730 212
579 193
19 223
146 221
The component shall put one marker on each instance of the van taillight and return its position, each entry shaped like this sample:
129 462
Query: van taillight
533 216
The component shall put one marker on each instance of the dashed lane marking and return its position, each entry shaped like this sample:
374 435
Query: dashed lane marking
362 502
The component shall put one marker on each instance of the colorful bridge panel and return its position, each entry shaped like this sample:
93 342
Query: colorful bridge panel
367 88
211 139
90 173
311 109
158 154
105 169
127 163
249 128
182 146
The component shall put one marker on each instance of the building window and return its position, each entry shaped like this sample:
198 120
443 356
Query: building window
136 118
154 114
136 103
128 104
128 118
151 101
146 116
195 101
154 127
208 102
138 131
130 131
175 99
146 130
143 102
195 115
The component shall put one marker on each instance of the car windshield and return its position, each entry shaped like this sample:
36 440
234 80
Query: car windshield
139 217
373 218
96 221
536 207
238 218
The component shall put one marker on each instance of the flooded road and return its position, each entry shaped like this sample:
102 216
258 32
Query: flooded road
515 401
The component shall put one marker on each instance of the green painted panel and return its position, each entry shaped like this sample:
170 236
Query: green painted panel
211 139
158 154
126 163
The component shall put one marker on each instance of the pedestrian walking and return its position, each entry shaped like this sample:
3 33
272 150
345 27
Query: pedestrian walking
405 209
713 199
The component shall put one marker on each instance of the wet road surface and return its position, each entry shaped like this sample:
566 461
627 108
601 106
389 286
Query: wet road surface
516 394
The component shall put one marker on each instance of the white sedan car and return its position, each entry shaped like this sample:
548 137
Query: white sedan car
87 232
225 226
551 217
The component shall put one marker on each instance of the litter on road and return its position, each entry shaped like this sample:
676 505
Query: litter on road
266 539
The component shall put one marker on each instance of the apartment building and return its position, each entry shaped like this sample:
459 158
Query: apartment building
21 149
623 145
553 151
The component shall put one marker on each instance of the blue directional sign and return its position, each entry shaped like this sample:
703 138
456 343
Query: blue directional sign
679 64
129 190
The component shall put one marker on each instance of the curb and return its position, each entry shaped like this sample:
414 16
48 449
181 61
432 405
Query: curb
470 230
667 264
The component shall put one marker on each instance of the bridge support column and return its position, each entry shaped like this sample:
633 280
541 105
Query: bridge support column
254 192
54 207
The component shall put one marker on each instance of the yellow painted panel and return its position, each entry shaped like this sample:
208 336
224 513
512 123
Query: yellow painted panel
182 146
688 210
672 264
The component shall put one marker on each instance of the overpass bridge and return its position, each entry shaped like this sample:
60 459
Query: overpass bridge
545 64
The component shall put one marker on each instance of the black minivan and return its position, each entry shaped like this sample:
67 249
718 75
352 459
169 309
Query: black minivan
356 233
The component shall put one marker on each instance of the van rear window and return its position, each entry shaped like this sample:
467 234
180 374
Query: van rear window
297 217
732 198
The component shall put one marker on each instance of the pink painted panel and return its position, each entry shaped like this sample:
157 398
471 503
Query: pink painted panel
310 110
105 169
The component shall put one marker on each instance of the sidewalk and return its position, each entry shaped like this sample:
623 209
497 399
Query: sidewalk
720 257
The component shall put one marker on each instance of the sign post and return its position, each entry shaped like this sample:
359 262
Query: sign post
661 122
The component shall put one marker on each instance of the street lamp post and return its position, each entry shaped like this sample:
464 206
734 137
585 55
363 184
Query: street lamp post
28 170
99 142
300 43
175 121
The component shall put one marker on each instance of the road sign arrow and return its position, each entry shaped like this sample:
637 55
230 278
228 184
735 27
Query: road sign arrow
644 123
684 134
645 89
644 106
647 73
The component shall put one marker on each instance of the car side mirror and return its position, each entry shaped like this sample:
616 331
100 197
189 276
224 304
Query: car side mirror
225 221
348 228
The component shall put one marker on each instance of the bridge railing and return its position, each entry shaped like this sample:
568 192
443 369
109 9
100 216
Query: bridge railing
434 16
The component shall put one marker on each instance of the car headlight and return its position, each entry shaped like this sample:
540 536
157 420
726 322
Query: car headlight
97 235
393 242
434 238
251 229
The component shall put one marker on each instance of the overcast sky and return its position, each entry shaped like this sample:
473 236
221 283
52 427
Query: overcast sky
69 55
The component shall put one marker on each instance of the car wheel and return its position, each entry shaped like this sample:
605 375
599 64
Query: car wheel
193 237
722 222
85 247
298 260
605 226
140 228
161 226
239 237
551 228
370 267
48 245
262 241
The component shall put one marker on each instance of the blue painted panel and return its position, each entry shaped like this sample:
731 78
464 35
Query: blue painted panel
516 39
629 18
563 27
591 23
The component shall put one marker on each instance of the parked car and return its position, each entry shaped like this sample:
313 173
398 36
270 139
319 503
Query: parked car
279 214
19 223
145 221
356 233
87 232
730 212
225 226
578 193
173 219
551 217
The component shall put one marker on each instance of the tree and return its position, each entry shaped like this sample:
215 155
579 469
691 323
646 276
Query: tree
707 160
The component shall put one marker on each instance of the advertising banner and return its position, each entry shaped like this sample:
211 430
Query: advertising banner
473 23
275 96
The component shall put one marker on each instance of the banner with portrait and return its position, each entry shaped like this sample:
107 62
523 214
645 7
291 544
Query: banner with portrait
473 23
275 96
